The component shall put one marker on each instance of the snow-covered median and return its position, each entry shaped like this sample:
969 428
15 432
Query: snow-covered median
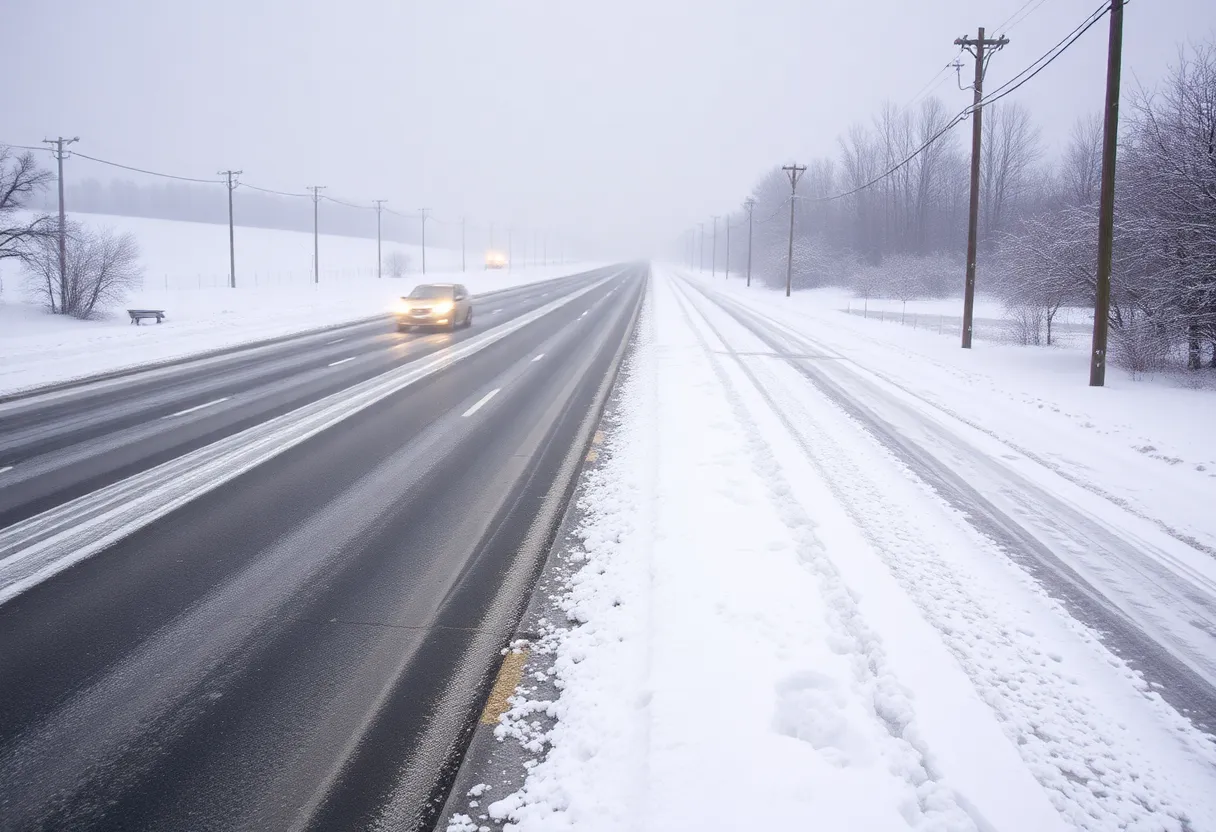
766 634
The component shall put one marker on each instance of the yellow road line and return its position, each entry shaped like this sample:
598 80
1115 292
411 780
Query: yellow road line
598 439
509 676
593 455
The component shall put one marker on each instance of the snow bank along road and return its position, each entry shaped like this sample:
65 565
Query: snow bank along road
801 598
265 590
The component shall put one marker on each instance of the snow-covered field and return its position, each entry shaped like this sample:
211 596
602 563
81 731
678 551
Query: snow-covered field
779 623
275 296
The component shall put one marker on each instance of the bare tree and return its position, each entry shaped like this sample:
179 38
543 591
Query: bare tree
1011 147
1081 165
929 172
867 282
902 279
1168 197
1049 264
861 160
396 263
101 264
20 180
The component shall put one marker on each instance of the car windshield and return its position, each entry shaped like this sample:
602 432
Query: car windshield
431 293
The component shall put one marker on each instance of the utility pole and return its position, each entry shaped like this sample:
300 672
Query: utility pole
701 247
1106 198
316 248
794 172
462 248
231 235
713 251
510 257
976 47
379 256
544 249
64 289
422 213
751 205
727 269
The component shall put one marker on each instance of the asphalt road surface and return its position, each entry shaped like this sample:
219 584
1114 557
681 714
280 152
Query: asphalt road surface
267 590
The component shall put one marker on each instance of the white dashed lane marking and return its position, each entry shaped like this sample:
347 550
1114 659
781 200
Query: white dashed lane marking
482 401
196 407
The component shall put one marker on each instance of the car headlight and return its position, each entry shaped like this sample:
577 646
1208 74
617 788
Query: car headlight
443 308
403 306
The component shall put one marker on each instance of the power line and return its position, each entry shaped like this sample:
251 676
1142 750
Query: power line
23 146
1048 57
929 83
347 204
1000 92
1059 47
148 172
1000 26
224 182
1006 29
780 208
276 193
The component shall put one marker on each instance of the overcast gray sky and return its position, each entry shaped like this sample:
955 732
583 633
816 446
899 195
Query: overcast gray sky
628 121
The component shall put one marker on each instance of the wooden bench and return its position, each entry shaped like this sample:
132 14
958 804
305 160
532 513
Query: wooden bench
138 315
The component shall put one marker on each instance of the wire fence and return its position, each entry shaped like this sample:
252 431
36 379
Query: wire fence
1001 329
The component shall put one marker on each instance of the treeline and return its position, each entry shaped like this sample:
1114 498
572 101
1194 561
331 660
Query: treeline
209 203
905 236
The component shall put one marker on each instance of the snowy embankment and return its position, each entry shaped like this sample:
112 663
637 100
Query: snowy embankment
1146 444
275 296
777 625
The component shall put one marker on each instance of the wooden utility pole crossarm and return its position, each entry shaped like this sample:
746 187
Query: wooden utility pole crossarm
977 48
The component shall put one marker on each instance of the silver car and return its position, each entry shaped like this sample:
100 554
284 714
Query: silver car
435 305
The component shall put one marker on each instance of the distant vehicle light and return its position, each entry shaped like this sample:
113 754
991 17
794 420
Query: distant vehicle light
496 260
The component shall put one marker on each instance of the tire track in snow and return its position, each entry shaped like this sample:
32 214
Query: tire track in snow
1091 765
938 806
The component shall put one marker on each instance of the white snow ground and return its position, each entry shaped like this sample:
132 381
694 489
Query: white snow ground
275 296
780 625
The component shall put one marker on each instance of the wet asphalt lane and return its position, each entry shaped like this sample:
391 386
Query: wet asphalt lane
304 647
